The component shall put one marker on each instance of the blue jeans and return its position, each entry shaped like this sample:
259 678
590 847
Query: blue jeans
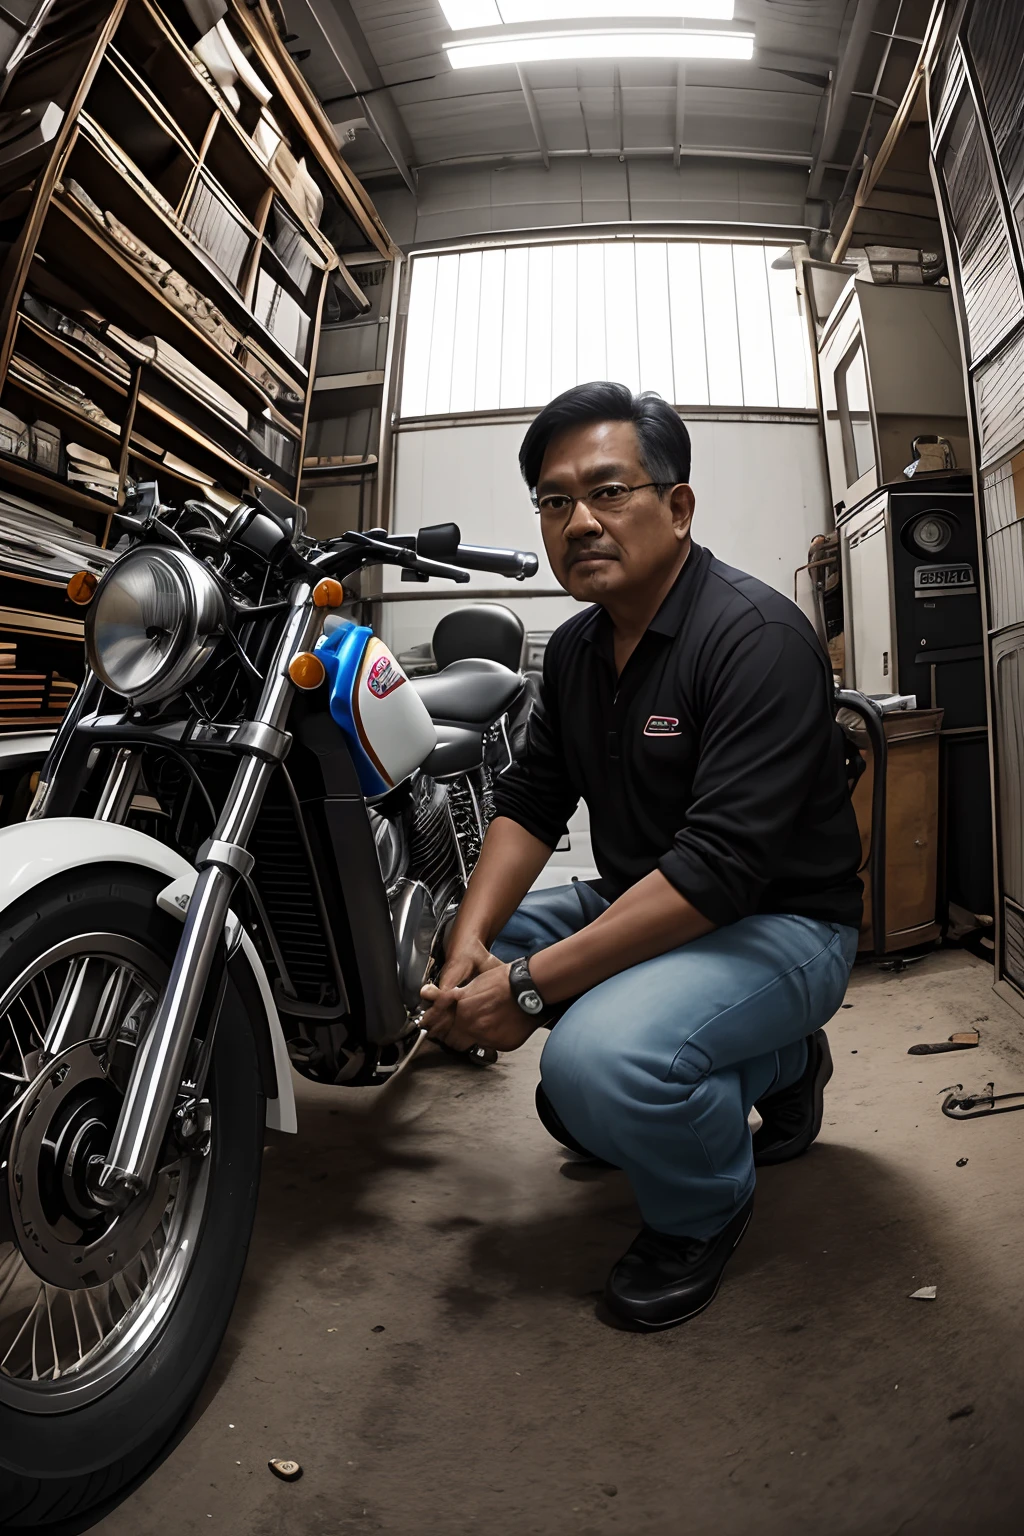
657 1068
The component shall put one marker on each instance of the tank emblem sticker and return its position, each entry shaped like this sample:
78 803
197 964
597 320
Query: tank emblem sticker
384 677
662 725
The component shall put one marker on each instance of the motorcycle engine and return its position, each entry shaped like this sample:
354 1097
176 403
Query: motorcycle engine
423 871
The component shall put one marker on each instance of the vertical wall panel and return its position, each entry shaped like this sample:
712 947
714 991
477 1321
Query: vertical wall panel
1008 681
1005 558
996 40
999 498
721 333
654 329
999 397
991 290
701 324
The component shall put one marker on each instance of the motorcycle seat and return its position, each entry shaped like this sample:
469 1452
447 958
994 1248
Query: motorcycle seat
469 692
460 749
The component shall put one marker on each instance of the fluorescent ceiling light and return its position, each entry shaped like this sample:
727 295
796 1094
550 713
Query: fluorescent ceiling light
492 13
525 49
610 10
471 13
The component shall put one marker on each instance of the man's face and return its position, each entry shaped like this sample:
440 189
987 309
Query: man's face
600 551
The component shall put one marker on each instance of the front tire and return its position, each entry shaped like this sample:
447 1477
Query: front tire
59 1459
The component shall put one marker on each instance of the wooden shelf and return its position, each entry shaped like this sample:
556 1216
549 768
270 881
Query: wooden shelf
162 470
68 350
148 306
159 155
54 402
332 381
346 475
229 121
198 267
248 471
51 486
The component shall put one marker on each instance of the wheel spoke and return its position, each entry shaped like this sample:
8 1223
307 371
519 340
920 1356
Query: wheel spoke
72 1297
53 1336
17 1047
29 1322
10 1268
100 988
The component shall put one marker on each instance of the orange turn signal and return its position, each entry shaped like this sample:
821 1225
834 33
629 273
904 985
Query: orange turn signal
328 593
82 586
306 670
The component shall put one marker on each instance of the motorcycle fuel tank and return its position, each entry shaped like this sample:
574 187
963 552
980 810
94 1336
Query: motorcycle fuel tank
384 721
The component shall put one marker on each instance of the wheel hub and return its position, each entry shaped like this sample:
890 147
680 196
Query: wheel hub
64 1127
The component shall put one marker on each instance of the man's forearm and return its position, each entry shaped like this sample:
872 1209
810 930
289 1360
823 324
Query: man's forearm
509 863
647 920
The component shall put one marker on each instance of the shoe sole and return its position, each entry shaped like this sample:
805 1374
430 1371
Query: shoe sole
637 1325
798 1145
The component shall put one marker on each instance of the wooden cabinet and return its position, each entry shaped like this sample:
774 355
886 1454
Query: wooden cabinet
912 826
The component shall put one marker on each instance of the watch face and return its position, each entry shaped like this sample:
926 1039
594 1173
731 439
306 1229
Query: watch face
529 1002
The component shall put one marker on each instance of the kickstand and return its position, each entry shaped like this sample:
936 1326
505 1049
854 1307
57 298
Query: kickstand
973 1106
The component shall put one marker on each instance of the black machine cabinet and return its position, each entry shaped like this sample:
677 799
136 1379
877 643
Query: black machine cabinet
913 625
939 648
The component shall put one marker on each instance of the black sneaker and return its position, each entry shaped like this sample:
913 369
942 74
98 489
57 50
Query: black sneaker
792 1117
662 1281
554 1127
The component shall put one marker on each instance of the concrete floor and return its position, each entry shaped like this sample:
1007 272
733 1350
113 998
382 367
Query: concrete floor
813 1395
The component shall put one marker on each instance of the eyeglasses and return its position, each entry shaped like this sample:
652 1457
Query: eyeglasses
604 498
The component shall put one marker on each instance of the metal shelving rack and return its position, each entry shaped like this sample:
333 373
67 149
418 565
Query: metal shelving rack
114 230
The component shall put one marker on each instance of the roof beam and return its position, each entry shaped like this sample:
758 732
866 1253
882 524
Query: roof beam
680 113
843 83
535 122
648 152
337 24
620 116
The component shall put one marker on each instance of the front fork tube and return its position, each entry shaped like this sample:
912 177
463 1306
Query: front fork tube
157 1072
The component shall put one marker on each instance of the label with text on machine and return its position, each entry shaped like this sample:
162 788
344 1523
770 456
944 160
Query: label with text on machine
943 580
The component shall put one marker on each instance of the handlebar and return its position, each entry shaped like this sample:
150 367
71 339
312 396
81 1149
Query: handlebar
516 563
270 528
442 541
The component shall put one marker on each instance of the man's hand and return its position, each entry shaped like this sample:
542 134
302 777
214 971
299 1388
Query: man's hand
466 960
483 1012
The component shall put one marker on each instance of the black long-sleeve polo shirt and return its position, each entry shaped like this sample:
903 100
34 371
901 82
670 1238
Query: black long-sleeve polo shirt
714 757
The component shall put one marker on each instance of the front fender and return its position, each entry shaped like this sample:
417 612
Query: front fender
33 852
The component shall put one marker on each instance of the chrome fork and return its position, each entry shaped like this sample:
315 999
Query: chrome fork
157 1072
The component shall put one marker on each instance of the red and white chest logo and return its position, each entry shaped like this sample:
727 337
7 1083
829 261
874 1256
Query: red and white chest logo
384 677
662 725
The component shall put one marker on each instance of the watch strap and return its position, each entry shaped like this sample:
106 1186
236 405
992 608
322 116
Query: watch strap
524 989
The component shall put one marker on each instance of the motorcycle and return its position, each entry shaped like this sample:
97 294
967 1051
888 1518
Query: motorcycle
247 842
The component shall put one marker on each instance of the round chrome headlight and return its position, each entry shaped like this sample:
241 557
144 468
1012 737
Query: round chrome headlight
156 617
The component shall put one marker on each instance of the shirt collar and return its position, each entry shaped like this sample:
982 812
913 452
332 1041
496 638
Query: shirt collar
669 618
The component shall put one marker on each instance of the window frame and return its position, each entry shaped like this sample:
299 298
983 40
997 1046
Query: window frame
691 235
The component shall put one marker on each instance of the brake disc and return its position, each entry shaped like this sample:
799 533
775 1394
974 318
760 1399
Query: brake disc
67 1117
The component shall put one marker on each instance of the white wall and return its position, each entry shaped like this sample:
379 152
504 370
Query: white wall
760 488
477 199
761 497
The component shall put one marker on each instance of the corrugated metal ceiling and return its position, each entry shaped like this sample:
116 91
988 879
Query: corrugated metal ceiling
815 100
451 115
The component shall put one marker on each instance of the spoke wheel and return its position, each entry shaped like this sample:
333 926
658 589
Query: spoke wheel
109 1322
81 1288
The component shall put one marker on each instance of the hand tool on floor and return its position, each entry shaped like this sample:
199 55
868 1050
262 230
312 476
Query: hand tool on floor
973 1106
959 1040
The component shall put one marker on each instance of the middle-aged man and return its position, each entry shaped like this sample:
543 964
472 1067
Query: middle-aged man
691 709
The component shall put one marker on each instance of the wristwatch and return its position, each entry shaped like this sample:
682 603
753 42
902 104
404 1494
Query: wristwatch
523 988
